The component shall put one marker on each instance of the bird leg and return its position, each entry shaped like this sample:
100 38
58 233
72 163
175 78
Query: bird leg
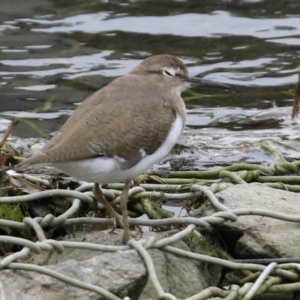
123 202
113 214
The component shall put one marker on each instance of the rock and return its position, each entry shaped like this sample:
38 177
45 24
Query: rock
122 273
262 236
179 276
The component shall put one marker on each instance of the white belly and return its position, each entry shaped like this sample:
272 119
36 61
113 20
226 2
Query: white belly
106 170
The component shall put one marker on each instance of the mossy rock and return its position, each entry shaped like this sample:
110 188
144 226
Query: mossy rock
206 245
13 212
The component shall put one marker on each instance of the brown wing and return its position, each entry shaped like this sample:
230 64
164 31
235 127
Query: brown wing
89 105
112 124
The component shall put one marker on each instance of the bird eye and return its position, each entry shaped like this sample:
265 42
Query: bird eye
168 72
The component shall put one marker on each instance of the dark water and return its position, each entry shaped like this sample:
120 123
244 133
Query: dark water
54 53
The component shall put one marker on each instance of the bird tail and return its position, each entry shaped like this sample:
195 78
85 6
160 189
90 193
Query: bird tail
35 161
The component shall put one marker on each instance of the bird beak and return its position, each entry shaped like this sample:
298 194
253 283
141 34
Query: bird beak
199 82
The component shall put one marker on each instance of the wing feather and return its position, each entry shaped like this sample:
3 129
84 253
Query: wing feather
123 125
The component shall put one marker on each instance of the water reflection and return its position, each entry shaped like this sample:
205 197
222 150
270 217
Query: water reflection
215 24
55 53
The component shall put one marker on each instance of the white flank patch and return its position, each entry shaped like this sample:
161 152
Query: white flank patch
143 152
120 159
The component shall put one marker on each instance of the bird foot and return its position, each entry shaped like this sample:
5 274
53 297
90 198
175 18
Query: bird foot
122 240
117 220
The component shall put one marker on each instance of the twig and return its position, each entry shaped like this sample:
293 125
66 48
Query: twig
8 131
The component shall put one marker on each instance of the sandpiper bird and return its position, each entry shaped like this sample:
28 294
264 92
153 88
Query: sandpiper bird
123 129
